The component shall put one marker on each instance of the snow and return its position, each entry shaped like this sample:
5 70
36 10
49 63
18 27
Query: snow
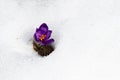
87 38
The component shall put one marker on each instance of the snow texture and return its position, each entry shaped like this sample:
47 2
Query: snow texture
87 34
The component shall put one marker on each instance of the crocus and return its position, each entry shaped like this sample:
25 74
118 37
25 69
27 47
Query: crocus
42 35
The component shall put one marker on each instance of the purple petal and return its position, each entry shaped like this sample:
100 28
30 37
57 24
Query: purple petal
37 29
47 42
44 28
37 35
48 34
36 39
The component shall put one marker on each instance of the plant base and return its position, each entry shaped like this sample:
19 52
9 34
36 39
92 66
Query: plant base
43 50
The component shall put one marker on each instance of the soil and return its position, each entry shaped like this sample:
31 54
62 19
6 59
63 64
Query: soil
43 50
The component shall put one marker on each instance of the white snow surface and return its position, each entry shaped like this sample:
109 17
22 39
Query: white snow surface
86 33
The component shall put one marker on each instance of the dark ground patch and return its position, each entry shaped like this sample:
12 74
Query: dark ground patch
43 50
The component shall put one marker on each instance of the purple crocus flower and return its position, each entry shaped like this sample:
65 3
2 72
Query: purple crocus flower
42 35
